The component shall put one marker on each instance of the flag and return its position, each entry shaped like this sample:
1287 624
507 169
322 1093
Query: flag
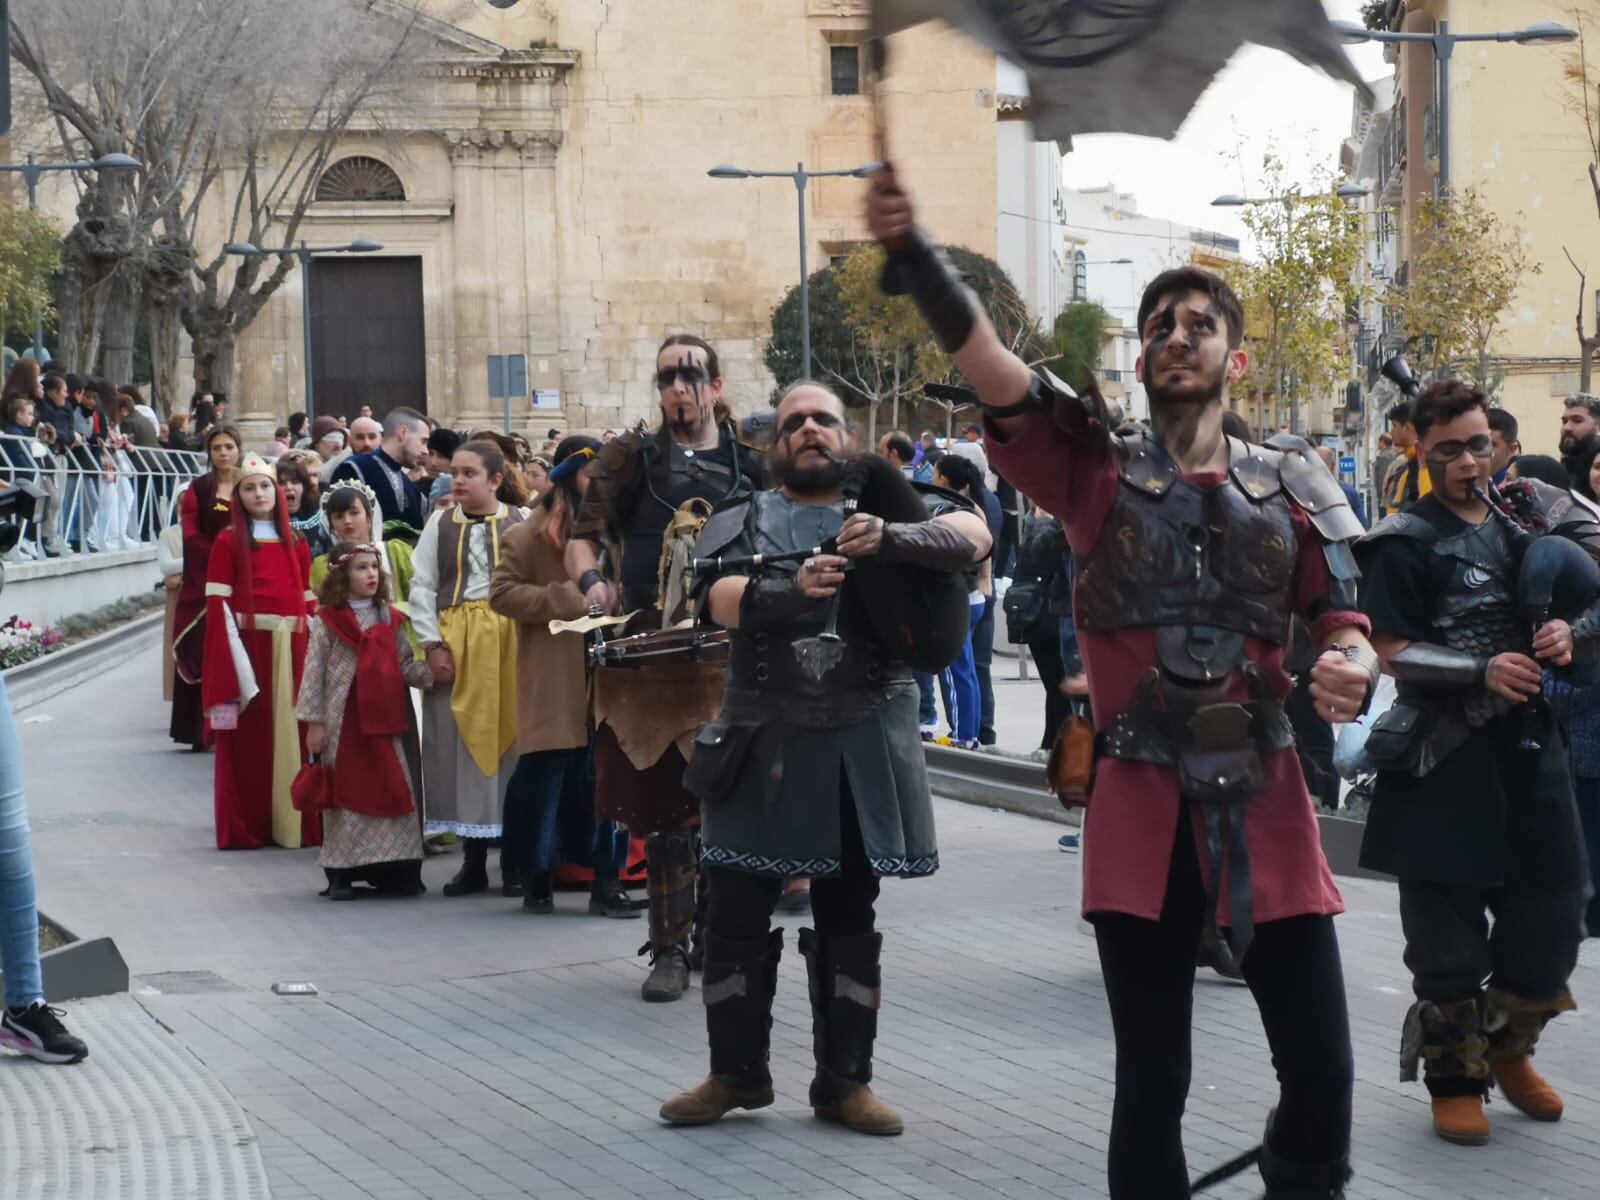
1126 66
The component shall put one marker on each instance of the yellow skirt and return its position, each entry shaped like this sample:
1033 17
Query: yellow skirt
483 698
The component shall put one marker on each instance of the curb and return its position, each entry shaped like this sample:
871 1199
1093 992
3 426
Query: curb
1019 786
37 681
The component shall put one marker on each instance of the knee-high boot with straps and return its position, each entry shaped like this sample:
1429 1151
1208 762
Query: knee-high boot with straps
1450 1041
740 981
670 860
846 988
1514 1024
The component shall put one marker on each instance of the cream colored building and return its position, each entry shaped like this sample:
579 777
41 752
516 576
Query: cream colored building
1511 138
550 200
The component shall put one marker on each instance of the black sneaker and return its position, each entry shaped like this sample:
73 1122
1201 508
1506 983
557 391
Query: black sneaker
37 1031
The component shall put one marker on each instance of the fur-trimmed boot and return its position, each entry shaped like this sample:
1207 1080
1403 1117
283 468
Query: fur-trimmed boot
1514 1025
845 984
1449 1039
741 979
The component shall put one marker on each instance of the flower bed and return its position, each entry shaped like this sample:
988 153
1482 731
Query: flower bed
23 641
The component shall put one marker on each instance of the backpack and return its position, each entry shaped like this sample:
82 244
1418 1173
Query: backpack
675 571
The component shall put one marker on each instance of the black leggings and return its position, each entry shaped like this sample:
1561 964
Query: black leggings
742 902
1293 970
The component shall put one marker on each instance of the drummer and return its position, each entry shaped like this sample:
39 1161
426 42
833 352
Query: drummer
650 492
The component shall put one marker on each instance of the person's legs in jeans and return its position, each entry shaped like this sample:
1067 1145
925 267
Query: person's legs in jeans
982 661
27 1024
928 712
19 914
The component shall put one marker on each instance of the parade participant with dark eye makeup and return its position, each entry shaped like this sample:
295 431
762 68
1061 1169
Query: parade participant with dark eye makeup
648 493
1194 550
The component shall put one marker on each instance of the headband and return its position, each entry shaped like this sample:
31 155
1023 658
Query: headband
346 553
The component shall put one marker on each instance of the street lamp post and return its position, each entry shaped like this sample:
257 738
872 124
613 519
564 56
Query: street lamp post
31 171
1345 191
801 177
1443 43
303 252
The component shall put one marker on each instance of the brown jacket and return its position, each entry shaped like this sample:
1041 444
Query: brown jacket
531 587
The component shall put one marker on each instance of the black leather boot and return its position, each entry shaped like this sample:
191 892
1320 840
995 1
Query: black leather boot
740 981
1288 1180
339 886
540 897
474 873
669 973
845 986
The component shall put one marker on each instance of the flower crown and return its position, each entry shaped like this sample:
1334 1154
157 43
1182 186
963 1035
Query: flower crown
346 552
358 485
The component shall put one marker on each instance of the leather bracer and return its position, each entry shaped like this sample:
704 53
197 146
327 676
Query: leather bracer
772 600
934 544
1423 664
924 272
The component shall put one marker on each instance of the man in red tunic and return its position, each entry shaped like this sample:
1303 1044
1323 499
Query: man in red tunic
1193 551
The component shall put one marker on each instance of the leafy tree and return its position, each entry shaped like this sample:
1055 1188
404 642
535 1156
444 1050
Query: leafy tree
875 349
1465 269
30 254
1297 293
1077 340
1581 95
1378 14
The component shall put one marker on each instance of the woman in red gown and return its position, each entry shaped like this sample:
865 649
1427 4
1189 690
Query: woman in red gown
257 606
204 510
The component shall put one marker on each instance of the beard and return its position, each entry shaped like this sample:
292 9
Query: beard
807 480
1200 393
1571 443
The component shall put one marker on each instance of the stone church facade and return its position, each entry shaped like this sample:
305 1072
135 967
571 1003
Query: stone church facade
546 215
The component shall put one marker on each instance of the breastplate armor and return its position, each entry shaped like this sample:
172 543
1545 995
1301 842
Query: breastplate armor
1206 567
1475 611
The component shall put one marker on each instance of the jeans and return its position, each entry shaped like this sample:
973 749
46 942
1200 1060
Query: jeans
1294 973
545 799
963 701
983 660
928 712
19 913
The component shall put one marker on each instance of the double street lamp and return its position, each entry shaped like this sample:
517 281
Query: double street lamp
303 252
801 177
31 170
1443 43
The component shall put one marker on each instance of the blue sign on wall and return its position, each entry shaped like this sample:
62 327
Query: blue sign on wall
1347 464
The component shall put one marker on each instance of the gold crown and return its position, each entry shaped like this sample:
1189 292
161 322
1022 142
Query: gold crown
254 464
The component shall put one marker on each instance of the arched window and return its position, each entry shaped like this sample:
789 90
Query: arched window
1080 275
360 180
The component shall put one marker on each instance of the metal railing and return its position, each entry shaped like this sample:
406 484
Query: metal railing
99 499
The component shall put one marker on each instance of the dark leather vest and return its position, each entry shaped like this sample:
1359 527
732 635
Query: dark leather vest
1206 567
1475 610
671 478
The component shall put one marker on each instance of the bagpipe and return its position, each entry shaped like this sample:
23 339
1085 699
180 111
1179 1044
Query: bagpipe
1557 579
917 614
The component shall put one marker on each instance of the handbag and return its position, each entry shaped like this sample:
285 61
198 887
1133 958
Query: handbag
1024 606
720 749
312 789
1070 770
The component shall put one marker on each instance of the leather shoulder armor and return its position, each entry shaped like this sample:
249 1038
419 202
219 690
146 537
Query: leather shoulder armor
1256 470
1142 464
723 529
1314 490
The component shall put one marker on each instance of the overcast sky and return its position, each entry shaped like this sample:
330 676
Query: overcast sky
1262 101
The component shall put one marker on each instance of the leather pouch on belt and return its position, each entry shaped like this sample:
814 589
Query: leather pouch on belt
1394 743
720 749
1071 766
1220 777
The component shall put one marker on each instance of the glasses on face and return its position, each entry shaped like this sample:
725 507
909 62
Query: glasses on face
797 421
693 376
1479 445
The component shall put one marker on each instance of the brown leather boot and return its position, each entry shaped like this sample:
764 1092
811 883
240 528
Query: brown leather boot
709 1102
863 1112
1526 1088
1460 1119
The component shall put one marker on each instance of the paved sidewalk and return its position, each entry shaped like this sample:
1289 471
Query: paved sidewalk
459 1048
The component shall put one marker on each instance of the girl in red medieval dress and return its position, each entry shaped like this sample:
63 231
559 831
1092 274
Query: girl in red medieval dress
204 510
257 608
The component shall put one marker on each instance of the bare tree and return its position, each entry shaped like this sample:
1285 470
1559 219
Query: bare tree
1588 343
235 107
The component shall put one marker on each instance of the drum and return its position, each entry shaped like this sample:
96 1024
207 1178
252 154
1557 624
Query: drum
664 646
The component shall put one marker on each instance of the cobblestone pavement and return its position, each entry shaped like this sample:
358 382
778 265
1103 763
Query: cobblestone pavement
459 1048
